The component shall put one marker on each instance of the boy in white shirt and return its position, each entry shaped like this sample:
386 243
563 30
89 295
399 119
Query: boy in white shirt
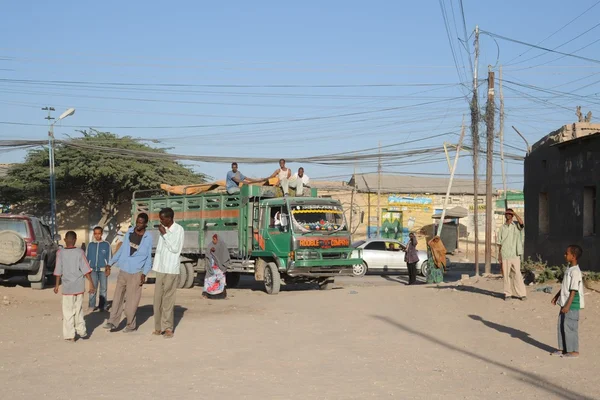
570 299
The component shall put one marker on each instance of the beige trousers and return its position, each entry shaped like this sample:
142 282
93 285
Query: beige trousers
164 301
72 308
128 285
513 279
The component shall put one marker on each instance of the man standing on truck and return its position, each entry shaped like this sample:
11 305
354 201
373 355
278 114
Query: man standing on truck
283 174
166 266
234 178
134 259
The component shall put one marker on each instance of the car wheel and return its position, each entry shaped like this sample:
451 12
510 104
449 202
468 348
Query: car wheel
424 268
360 269
182 276
190 276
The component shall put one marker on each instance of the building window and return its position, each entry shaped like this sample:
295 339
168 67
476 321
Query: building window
589 211
544 214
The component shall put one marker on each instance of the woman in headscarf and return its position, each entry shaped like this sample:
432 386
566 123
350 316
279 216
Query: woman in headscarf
436 261
218 258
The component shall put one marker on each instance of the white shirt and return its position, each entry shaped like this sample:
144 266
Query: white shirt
166 259
573 280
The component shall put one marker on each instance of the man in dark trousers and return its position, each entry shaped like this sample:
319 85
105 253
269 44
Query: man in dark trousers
411 258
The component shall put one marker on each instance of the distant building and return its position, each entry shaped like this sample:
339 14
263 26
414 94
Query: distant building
562 175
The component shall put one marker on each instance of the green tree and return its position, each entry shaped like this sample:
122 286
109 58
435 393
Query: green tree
88 178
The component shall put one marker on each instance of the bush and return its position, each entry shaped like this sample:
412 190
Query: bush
591 276
542 272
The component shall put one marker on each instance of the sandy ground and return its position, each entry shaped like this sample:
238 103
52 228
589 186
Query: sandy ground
367 338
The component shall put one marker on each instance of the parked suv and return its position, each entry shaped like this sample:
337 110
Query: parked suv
26 248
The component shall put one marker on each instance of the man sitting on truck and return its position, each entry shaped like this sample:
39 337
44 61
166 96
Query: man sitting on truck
298 183
234 178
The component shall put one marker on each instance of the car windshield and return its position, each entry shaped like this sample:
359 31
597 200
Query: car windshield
359 243
317 218
17 225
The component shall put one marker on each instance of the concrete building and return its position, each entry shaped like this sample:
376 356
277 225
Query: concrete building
562 175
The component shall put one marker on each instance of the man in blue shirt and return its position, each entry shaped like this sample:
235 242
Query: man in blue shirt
234 178
134 259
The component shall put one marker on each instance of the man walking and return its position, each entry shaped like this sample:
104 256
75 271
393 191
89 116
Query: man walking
134 259
166 266
510 242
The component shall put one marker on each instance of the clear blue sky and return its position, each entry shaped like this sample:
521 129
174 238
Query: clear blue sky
265 43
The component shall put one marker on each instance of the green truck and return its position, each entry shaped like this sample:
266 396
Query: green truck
278 240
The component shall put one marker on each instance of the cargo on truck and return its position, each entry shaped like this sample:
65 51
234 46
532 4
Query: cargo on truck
278 240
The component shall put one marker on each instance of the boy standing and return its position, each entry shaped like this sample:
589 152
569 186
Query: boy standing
98 256
570 299
72 268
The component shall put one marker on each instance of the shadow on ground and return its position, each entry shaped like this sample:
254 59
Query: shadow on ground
515 333
471 289
518 374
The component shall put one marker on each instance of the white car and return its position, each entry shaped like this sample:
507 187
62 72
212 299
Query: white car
385 255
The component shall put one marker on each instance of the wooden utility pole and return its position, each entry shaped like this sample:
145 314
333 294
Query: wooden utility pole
502 140
462 135
489 209
379 194
352 202
475 145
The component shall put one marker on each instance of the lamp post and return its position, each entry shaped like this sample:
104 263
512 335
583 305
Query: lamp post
64 115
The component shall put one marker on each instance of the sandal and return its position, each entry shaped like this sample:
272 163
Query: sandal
157 333
168 334
558 353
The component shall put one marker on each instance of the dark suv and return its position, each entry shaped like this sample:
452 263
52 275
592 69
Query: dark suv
26 248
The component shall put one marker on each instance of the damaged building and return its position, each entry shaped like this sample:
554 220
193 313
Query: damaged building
562 175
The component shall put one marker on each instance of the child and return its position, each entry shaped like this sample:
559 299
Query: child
570 299
72 267
98 256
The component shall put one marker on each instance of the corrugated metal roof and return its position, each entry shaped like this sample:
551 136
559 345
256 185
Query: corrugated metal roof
414 184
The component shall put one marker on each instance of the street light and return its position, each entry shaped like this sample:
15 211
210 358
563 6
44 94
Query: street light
64 115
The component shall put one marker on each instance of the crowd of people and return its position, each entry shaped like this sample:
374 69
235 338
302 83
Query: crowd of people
134 259
288 184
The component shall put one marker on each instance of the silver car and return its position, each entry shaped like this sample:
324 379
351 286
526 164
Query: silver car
385 255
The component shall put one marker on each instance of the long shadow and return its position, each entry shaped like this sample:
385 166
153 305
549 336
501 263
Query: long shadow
472 289
515 333
403 279
528 377
146 311
94 320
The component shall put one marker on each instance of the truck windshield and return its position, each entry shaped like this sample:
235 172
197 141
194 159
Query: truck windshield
317 218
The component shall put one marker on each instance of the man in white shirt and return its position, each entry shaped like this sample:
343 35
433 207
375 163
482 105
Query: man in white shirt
166 267
299 182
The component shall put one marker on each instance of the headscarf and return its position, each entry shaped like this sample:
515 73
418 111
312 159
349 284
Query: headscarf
219 252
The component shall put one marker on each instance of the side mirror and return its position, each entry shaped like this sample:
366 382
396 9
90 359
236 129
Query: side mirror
57 238
284 220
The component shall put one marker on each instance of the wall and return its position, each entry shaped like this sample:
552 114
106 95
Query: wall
562 172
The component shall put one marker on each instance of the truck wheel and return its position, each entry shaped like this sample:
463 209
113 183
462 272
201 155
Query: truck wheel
272 278
326 284
233 279
38 281
13 247
190 276
182 276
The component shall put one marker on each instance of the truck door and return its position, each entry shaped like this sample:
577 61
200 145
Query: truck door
277 236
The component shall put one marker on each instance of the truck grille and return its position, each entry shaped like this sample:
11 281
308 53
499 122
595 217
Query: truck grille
333 256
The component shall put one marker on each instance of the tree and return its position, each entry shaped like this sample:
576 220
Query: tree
90 179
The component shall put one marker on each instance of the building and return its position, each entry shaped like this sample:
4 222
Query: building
562 175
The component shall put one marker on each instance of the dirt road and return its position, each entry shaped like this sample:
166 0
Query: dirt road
373 338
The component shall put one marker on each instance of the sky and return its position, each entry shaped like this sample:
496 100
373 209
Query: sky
272 79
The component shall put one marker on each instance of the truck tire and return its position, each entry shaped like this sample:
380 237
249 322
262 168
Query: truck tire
191 275
182 276
272 279
38 281
232 279
13 247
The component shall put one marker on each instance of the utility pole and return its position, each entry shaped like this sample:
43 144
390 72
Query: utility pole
475 145
379 194
51 168
352 201
502 139
489 210
462 135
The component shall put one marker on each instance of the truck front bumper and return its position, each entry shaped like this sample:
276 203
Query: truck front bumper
321 268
